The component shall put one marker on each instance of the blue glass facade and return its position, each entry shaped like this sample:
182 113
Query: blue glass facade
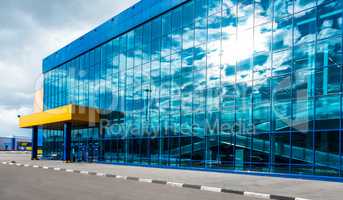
248 85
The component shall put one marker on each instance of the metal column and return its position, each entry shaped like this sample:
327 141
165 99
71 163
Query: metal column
67 142
34 152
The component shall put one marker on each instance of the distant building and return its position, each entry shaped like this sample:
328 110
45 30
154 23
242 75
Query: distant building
15 143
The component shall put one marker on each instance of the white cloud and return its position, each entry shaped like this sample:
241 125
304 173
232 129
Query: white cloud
30 31
9 121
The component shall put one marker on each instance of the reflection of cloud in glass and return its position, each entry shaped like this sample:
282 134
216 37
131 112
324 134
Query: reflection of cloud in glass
222 50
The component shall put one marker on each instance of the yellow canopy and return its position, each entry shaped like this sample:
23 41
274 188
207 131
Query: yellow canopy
77 115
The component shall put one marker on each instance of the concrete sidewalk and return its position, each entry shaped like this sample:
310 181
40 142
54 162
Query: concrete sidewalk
308 189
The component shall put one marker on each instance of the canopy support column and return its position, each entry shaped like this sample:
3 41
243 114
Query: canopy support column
67 141
34 152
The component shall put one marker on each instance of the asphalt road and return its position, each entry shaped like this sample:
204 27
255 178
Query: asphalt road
19 183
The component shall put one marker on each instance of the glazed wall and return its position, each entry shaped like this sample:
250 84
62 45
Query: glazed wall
245 85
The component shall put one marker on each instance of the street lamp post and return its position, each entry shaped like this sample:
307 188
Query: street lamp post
148 92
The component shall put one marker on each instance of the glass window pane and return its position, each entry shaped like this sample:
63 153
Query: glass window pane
262 65
166 23
200 31
282 34
303 84
280 152
200 9
305 26
327 153
300 5
282 62
329 52
176 19
304 56
214 27
303 112
245 14
214 6
263 11
283 8
328 112
188 14
156 26
188 37
330 19
302 152
328 80
262 37
281 87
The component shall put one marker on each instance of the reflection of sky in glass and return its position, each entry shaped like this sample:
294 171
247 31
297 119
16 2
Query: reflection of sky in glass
268 70
202 52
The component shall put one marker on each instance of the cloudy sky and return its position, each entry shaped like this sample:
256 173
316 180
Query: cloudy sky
30 30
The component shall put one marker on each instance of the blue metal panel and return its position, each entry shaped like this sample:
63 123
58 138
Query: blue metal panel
128 19
13 143
226 171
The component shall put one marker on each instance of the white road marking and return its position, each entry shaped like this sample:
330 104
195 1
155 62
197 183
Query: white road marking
257 195
145 180
211 189
175 184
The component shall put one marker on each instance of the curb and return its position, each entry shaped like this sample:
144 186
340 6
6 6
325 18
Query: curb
161 182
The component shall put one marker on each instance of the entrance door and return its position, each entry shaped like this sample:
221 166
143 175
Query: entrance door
85 146
79 147
92 150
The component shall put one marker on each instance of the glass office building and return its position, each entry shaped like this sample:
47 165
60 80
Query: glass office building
247 85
